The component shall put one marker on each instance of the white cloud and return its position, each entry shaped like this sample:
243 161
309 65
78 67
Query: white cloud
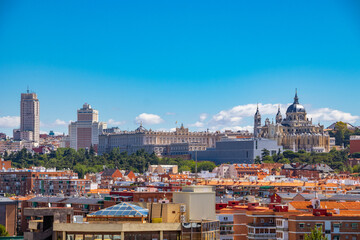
113 122
59 122
239 128
197 124
331 115
235 115
241 117
166 129
201 122
203 116
148 118
9 122
56 123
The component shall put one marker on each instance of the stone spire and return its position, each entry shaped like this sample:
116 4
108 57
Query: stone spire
257 122
296 99
278 116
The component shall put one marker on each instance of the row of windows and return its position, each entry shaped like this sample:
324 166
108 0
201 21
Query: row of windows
335 225
301 237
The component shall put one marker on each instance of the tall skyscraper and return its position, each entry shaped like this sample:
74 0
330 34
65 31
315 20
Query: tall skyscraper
86 130
29 117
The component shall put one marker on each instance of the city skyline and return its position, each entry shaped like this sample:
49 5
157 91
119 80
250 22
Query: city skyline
203 65
223 120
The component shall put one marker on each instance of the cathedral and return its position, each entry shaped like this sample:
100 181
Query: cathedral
295 132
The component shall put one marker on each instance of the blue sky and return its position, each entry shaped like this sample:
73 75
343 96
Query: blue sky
202 63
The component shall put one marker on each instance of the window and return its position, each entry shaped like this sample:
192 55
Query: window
262 220
271 220
319 225
336 225
301 225
336 238
354 225
117 237
225 218
70 237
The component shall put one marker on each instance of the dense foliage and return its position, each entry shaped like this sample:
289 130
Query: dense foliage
316 234
335 159
3 232
85 161
342 134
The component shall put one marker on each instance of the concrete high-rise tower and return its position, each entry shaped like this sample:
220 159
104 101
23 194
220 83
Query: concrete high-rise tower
29 117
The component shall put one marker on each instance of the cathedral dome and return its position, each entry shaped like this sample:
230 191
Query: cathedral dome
295 107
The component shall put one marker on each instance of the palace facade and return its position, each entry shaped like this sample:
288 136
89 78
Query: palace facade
161 142
295 132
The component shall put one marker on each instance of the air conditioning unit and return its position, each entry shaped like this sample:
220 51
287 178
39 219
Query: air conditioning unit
182 218
182 208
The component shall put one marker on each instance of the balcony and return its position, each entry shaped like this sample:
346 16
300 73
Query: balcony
226 232
226 222
262 236
262 225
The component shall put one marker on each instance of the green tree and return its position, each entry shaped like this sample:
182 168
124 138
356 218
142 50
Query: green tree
257 160
316 234
184 168
267 159
342 134
265 153
3 232
206 166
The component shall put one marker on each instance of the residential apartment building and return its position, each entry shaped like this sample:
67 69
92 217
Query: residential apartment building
9 146
61 185
336 225
310 171
22 182
85 132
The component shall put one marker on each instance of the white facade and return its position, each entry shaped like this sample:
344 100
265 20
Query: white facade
194 197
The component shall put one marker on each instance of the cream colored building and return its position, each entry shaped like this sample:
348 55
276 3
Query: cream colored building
85 132
295 132
199 201
162 169
10 146
131 141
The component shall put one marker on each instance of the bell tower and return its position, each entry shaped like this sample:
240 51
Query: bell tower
257 122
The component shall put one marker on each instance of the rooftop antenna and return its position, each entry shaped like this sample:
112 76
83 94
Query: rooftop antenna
27 89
